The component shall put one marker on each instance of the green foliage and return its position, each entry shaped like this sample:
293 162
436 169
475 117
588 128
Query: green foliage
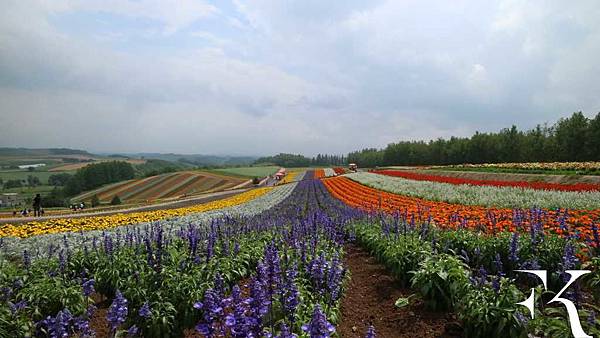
59 179
154 167
12 184
96 175
33 181
442 280
56 198
554 322
95 201
486 312
286 160
115 200
575 138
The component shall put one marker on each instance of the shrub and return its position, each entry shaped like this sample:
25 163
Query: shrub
115 200
96 201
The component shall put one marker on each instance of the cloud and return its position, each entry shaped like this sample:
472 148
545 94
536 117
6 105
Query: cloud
259 77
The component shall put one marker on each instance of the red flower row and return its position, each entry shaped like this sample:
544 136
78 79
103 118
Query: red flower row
495 183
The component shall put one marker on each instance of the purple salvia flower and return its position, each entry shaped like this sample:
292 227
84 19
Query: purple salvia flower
285 332
88 287
132 331
370 332
26 260
318 327
117 313
212 311
145 311
513 252
237 321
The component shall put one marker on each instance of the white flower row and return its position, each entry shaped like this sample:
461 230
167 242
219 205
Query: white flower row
488 196
38 245
329 172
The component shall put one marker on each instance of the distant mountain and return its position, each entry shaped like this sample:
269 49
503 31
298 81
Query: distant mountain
197 159
6 151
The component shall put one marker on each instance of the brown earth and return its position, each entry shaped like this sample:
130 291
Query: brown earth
370 300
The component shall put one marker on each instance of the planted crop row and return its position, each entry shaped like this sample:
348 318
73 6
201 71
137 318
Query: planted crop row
493 183
572 223
487 196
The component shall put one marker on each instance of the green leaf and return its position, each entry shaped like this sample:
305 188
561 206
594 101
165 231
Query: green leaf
403 301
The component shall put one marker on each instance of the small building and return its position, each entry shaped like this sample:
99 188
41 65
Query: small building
10 199
27 166
352 166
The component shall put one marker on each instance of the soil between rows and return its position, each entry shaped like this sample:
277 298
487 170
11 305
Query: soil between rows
370 299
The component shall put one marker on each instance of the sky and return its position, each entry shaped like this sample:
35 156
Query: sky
312 76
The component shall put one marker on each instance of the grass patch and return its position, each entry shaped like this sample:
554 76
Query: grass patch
248 172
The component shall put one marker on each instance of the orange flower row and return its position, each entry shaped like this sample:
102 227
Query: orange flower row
319 173
447 215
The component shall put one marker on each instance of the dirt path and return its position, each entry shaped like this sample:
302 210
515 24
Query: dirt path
370 300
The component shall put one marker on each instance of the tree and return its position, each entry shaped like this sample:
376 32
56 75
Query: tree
12 184
59 179
96 175
96 201
115 200
33 181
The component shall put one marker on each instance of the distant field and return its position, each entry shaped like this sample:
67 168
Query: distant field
6 175
75 166
163 186
249 171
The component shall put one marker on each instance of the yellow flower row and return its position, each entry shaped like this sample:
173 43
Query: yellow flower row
111 221
290 177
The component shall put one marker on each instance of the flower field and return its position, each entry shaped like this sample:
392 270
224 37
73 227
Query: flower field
272 262
481 195
569 168
536 165
492 183
105 222
163 186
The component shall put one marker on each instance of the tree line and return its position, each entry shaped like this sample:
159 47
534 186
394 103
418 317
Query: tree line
297 160
575 138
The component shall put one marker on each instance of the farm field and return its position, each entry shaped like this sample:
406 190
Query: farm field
165 186
315 257
249 172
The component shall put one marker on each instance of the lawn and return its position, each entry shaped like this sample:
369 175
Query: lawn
249 171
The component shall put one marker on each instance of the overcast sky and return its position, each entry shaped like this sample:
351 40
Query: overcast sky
259 77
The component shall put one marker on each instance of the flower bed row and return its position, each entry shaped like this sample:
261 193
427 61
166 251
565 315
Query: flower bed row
339 170
574 223
583 166
488 196
329 172
104 222
319 173
39 245
494 183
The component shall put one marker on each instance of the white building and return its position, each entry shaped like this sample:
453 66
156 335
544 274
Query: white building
27 166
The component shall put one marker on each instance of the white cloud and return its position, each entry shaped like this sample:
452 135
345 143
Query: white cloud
308 76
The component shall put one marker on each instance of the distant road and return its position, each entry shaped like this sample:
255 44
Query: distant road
159 206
